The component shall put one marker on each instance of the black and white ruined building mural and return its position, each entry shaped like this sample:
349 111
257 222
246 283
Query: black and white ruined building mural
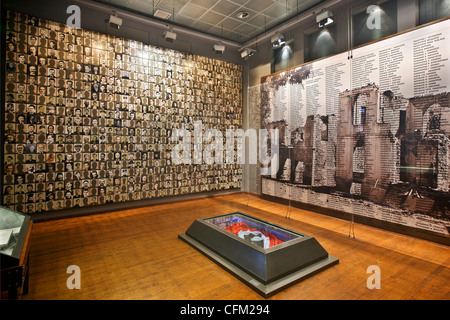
368 135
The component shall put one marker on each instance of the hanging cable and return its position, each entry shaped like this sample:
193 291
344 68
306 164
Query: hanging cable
351 230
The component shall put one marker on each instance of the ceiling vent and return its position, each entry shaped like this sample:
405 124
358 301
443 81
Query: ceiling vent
162 14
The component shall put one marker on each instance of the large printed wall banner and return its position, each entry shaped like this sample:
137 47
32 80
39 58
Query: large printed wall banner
89 117
367 131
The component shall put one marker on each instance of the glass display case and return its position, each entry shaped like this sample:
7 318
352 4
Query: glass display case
265 256
254 231
15 231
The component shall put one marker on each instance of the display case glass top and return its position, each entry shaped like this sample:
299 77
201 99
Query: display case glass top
258 232
15 233
12 225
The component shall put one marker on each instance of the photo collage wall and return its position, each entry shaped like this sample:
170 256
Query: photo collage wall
88 117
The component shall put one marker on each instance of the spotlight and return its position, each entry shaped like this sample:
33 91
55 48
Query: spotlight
324 18
277 40
170 36
219 48
247 53
242 14
115 21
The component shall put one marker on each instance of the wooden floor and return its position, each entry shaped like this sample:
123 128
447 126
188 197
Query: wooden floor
136 254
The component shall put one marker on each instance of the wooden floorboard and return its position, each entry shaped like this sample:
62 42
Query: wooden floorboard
136 254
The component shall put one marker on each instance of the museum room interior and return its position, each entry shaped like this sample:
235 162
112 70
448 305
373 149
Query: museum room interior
217 150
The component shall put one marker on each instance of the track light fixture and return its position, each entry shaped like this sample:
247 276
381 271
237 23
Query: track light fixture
219 48
247 53
277 40
325 18
170 35
114 21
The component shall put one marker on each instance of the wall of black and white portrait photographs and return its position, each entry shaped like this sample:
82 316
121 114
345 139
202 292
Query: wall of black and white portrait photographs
89 117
